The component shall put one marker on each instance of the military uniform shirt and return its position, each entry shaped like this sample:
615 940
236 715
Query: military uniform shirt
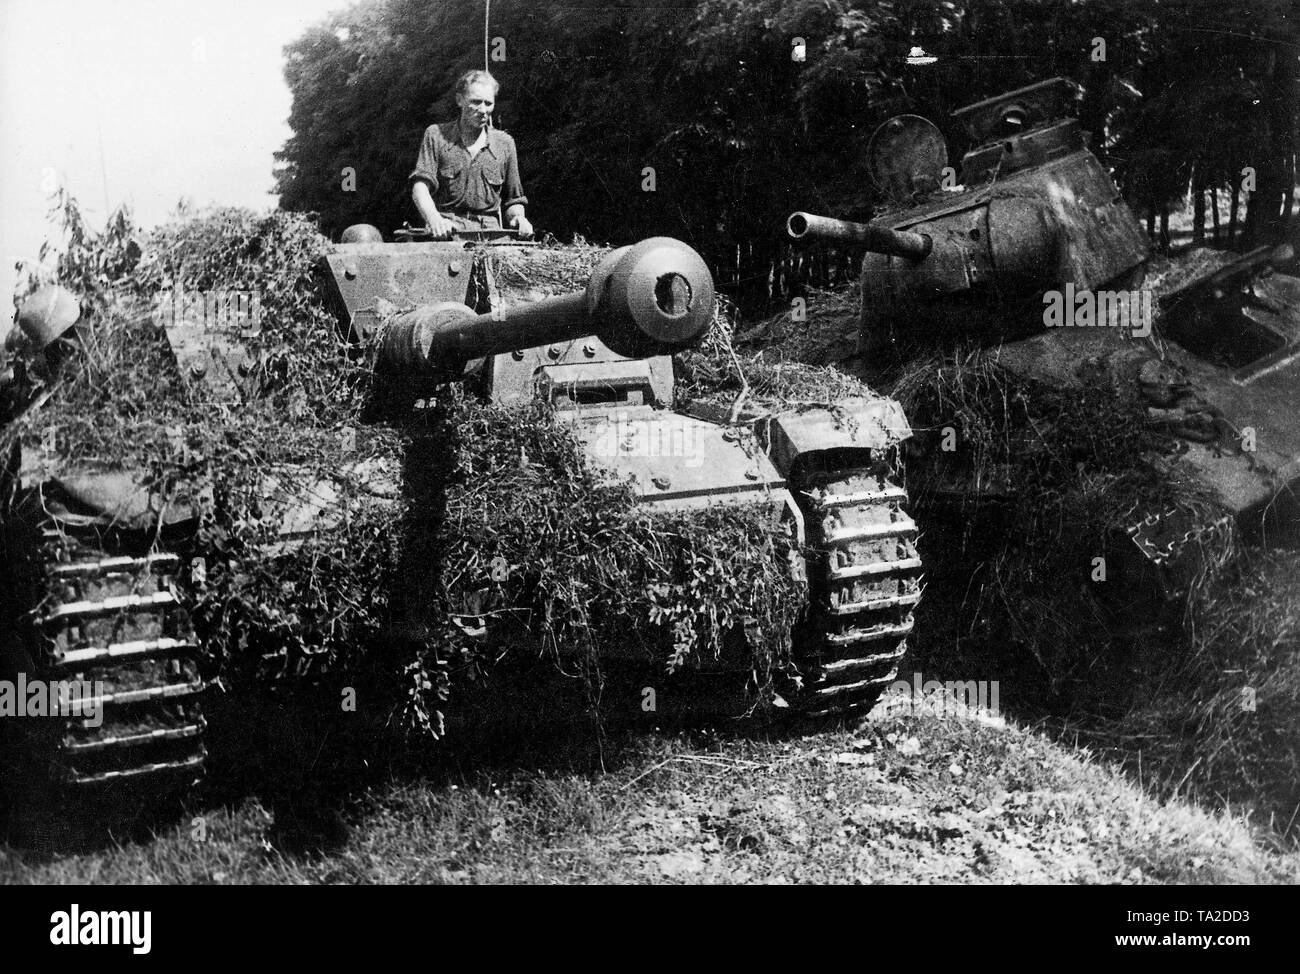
461 184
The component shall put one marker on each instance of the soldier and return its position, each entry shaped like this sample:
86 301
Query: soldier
467 171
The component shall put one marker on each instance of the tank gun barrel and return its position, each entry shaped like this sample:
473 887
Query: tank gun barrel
653 297
880 240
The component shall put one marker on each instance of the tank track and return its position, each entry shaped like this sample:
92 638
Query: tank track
864 579
115 620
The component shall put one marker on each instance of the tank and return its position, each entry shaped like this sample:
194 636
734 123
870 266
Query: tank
1031 209
98 658
99 565
603 358
1031 251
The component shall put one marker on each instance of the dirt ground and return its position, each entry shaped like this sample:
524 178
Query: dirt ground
905 798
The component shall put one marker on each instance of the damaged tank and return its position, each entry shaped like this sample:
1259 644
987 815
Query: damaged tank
1031 252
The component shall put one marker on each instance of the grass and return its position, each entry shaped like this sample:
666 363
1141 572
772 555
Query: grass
1166 697
1224 726
902 799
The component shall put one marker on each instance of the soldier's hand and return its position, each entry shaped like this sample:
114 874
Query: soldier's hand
441 229
521 224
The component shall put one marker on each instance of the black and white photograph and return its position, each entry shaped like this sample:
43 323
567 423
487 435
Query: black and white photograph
716 442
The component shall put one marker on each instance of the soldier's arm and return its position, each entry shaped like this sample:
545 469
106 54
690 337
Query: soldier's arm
424 183
513 199
423 200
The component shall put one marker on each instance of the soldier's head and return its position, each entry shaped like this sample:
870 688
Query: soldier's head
49 329
476 95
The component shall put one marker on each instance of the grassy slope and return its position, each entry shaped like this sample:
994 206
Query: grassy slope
903 799
1171 713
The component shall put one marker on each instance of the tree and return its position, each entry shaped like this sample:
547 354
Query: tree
708 101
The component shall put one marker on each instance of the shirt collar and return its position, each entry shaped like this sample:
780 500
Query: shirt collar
460 138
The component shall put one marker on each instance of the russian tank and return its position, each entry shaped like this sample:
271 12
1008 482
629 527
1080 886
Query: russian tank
1033 233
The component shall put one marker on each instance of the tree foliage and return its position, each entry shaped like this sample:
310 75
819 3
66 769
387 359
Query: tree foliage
739 132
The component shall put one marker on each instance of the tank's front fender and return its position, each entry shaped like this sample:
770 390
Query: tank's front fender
856 423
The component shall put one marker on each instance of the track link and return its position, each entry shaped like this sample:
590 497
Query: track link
115 623
864 577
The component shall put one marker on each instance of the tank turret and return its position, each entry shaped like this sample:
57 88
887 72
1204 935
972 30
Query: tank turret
1036 211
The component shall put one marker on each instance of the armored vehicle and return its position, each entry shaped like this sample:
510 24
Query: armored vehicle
99 564
1031 251
603 358
98 665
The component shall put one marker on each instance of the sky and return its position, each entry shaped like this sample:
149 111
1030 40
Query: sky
139 101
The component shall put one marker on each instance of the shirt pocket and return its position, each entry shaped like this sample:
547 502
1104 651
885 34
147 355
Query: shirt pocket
493 177
451 181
